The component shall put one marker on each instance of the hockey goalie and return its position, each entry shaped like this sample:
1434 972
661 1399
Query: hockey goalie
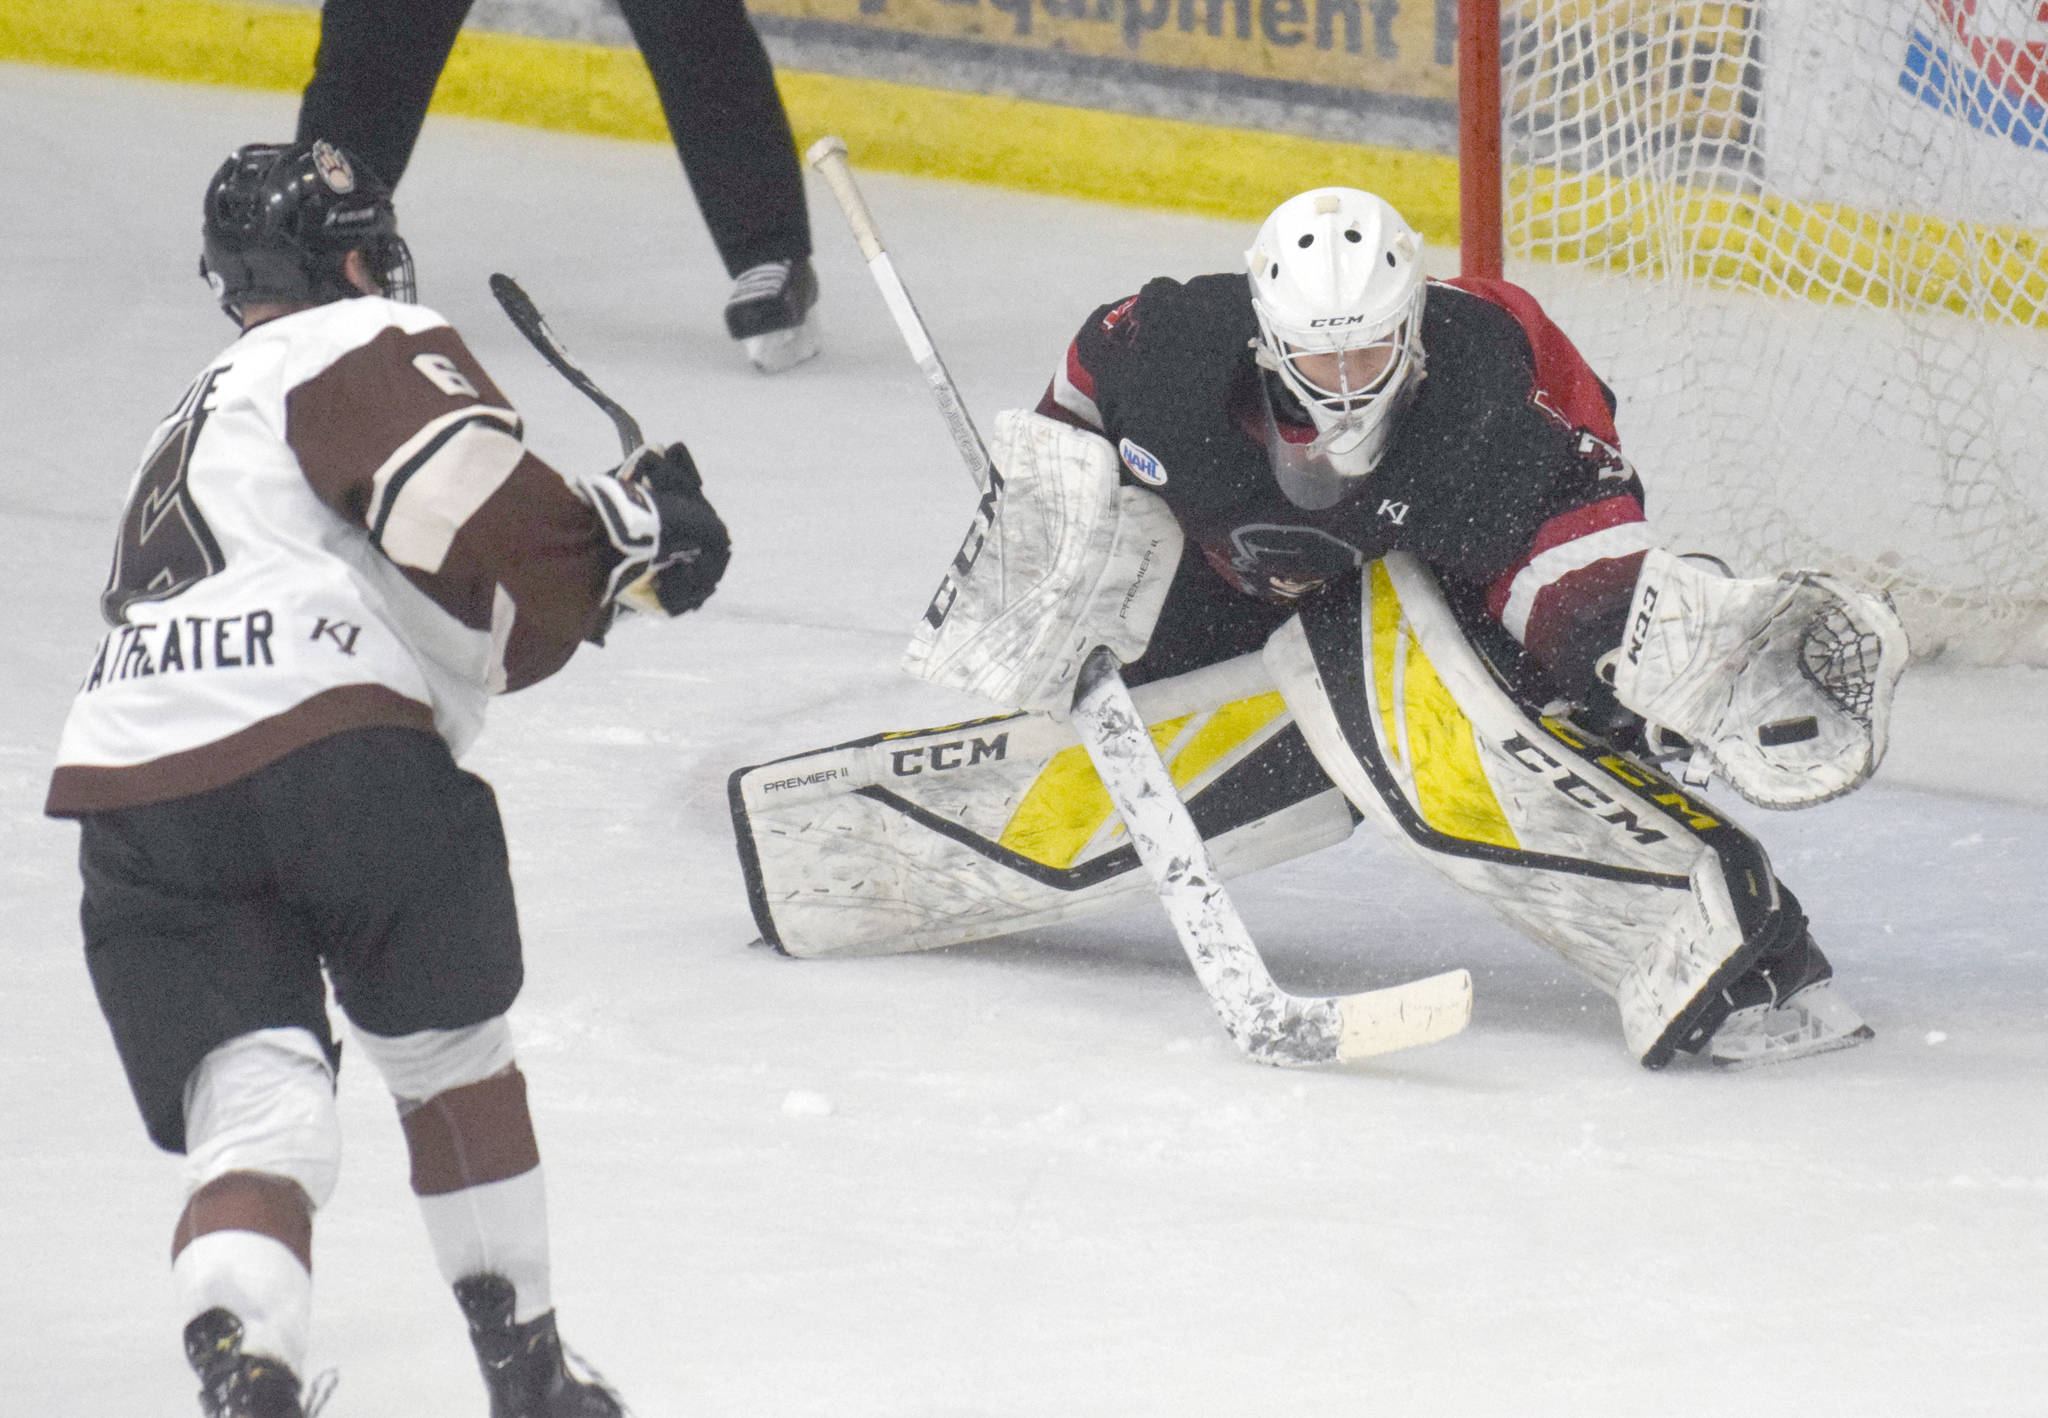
1369 549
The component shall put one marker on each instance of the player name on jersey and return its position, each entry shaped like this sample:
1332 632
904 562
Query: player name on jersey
186 644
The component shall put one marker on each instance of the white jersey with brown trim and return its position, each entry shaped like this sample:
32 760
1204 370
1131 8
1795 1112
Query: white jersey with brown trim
301 553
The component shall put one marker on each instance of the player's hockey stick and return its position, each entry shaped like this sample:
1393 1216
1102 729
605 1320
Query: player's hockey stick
1268 1023
519 307
637 595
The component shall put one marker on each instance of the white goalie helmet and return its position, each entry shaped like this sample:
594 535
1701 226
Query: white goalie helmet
1338 272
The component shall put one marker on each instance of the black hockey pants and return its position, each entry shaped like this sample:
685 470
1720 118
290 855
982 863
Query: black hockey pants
379 61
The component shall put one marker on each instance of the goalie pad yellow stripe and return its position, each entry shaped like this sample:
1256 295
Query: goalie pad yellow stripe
1068 807
1065 809
907 841
1226 728
1429 737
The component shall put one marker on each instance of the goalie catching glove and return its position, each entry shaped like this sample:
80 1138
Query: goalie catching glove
1784 684
1059 559
672 546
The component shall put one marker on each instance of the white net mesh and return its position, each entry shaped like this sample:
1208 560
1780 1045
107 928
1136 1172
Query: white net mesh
1803 241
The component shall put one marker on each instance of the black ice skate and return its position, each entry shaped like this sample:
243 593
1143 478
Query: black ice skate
768 313
1786 1007
233 1384
524 1366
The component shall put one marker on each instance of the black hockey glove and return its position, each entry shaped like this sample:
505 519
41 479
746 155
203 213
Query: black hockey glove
694 546
672 546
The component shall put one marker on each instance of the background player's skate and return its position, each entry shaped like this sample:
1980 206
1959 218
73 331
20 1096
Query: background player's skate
769 313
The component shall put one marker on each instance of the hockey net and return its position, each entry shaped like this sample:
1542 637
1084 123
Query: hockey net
1803 240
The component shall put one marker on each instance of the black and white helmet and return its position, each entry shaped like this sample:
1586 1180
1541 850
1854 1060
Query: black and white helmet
280 218
1337 270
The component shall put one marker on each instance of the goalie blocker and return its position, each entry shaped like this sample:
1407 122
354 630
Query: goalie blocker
1060 558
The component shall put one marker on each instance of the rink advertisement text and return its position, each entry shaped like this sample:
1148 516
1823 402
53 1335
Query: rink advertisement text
1405 48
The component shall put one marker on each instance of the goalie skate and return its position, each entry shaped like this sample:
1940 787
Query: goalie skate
1786 1008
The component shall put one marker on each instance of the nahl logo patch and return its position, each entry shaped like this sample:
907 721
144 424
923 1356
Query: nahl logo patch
1144 467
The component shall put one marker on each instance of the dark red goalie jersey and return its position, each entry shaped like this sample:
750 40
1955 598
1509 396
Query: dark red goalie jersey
1504 475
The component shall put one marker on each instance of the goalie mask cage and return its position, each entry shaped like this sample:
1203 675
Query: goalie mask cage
1803 242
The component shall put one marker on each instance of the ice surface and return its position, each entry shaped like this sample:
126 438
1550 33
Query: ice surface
1031 1177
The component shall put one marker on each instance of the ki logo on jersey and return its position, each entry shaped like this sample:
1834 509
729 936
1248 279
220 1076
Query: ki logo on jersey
342 632
1144 467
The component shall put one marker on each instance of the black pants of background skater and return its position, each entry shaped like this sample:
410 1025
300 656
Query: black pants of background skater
379 61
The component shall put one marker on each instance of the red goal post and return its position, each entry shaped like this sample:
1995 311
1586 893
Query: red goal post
1804 242
1479 160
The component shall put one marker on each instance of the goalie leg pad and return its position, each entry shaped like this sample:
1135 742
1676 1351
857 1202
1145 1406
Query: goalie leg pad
911 841
1784 683
1640 886
1059 559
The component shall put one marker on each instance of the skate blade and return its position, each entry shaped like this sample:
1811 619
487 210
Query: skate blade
1815 1020
1805 1049
783 349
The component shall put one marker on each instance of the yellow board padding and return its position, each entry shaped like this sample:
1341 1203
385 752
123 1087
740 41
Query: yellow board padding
245 46
1415 708
1818 251
597 89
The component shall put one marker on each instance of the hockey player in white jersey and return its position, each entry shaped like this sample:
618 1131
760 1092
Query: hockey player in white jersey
336 550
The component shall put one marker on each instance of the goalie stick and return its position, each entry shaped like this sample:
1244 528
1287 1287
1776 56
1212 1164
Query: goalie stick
526 317
1269 1024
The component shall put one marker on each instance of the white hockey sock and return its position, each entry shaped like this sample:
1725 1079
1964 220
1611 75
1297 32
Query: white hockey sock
258 1280
496 1228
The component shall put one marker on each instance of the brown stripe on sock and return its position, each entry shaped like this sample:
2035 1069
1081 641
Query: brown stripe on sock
276 1207
464 1137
